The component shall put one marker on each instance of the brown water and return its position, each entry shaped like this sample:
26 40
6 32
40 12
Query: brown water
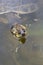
31 53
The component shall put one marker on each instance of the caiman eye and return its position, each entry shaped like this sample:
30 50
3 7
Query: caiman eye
23 30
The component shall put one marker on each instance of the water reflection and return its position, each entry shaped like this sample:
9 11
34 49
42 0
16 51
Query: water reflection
30 53
23 56
22 40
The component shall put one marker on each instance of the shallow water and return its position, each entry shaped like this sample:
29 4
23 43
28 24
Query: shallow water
31 53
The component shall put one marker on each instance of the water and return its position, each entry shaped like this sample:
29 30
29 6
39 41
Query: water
18 6
31 53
